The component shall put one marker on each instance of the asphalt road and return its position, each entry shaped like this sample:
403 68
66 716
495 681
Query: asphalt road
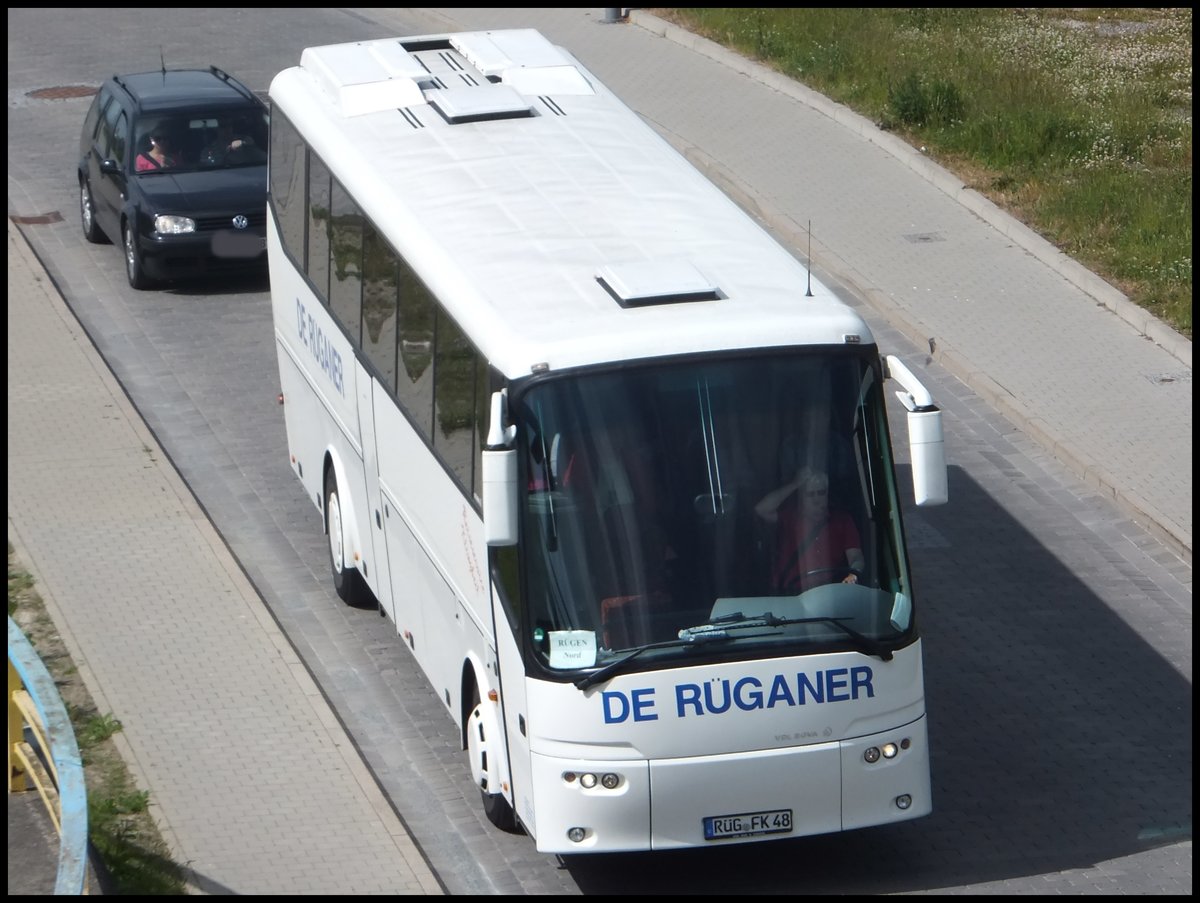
1057 631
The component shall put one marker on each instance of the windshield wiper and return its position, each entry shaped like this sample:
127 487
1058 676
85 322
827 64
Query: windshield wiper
720 627
590 680
733 620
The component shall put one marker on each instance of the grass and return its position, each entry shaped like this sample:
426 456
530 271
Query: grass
128 852
1078 121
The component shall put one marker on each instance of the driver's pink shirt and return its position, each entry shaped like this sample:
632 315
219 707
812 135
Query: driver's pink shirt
146 163
823 547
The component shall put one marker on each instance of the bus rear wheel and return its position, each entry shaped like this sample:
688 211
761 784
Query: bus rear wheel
347 581
495 806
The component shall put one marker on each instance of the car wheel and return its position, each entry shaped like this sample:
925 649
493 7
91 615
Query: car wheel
347 581
87 214
134 267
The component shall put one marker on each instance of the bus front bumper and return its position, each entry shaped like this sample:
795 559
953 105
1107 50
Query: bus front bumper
733 798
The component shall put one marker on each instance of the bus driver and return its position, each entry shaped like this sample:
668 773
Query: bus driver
813 544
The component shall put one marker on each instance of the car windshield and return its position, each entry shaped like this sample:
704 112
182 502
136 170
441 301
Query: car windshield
750 500
201 141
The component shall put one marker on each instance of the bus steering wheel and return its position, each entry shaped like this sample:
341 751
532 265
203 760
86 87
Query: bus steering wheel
796 583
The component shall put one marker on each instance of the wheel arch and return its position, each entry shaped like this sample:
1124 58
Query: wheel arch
475 676
333 464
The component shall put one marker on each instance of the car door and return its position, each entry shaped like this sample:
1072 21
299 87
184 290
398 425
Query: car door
108 168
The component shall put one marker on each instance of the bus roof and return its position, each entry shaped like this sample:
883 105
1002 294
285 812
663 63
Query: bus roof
555 226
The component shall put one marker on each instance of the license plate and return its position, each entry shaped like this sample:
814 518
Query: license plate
228 243
748 824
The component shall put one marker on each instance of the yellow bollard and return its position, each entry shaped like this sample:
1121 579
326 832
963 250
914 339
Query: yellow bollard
16 733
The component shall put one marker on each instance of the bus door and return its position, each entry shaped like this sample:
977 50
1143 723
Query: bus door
378 576
516 712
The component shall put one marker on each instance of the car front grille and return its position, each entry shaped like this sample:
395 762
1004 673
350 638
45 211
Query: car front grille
258 221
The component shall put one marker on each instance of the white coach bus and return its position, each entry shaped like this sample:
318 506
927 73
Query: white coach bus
618 469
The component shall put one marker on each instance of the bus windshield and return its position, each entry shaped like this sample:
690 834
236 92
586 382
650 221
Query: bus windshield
747 499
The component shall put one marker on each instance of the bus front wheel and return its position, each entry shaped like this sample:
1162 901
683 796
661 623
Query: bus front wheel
347 581
480 734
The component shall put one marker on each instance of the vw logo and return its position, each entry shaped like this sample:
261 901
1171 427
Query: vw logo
240 222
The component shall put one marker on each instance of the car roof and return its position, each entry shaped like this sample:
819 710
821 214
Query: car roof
173 90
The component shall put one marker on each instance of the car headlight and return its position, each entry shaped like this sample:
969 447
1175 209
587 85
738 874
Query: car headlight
174 225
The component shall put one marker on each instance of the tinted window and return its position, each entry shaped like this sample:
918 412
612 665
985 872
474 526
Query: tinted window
454 399
120 138
414 383
483 411
287 185
346 239
107 127
92 121
379 306
318 226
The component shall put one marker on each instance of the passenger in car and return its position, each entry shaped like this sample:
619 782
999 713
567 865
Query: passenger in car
160 154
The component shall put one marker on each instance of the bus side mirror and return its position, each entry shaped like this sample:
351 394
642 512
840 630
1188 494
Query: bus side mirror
500 497
926 443
500 506
928 452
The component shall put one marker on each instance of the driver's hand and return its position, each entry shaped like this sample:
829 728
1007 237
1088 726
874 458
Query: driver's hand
850 578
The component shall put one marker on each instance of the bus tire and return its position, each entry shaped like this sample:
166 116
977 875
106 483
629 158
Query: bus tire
347 581
495 806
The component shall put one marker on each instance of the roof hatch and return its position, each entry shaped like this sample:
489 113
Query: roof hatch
479 102
652 282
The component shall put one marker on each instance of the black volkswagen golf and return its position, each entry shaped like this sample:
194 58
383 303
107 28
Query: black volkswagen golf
173 168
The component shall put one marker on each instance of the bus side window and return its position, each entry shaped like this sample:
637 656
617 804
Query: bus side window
454 382
345 286
379 305
319 245
414 376
286 171
507 577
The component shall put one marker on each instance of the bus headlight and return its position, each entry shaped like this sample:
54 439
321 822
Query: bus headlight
889 750
588 780
576 835
903 801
